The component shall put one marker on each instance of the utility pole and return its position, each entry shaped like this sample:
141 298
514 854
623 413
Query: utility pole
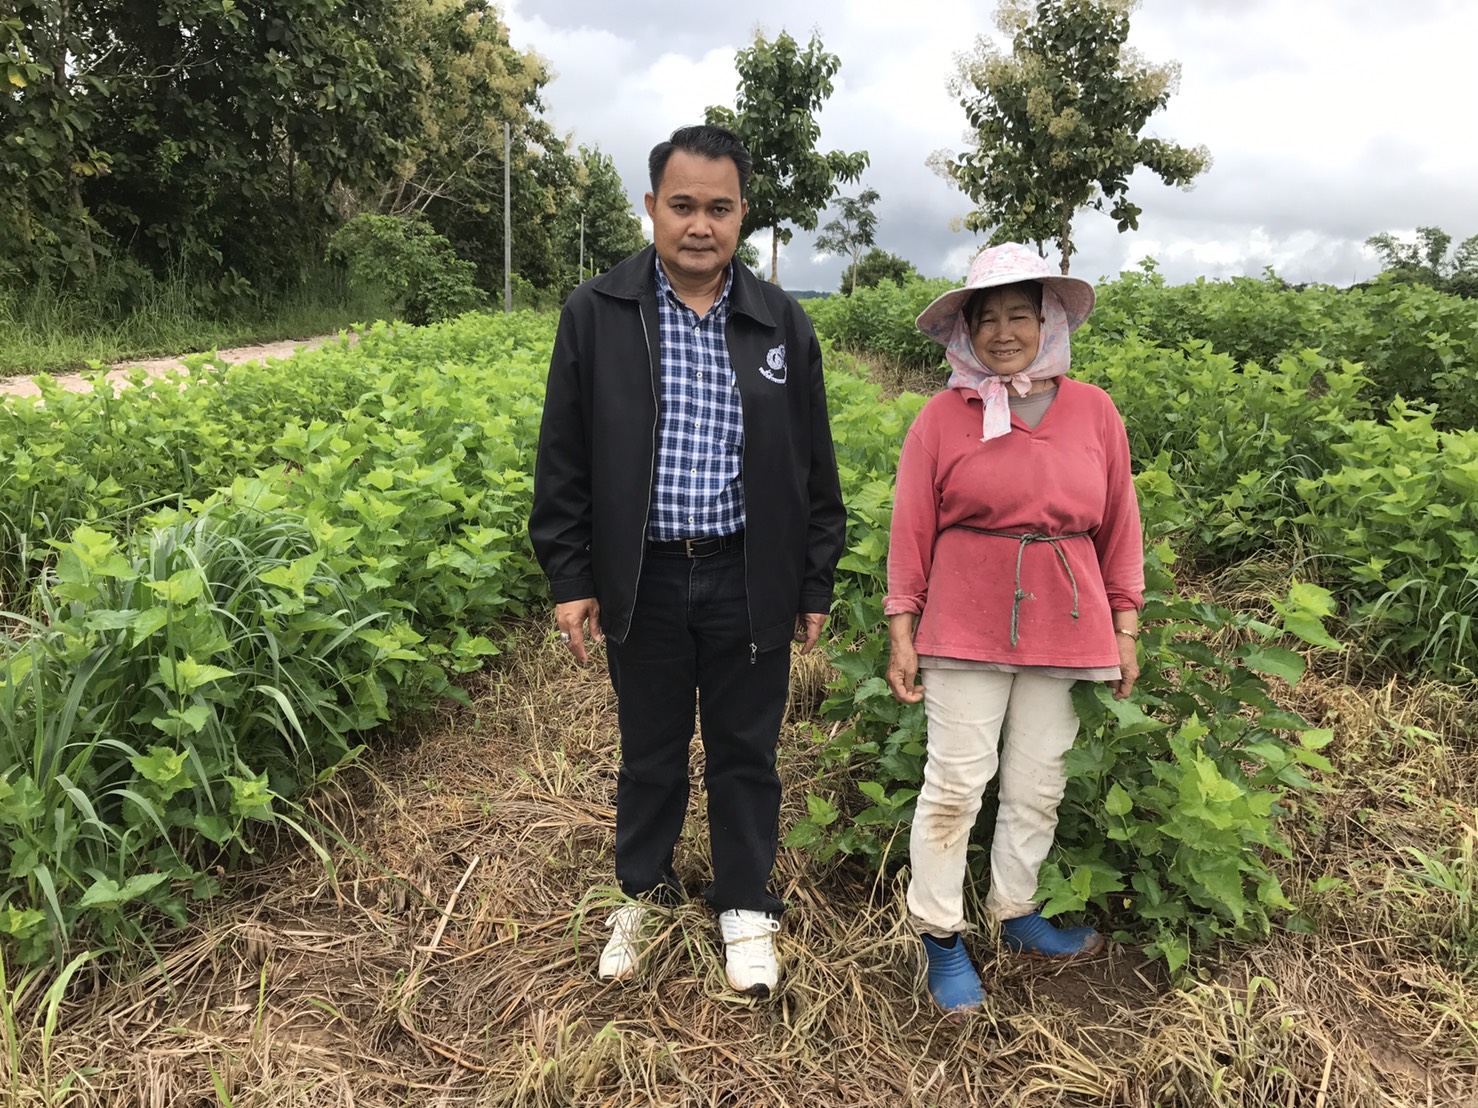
507 219
582 247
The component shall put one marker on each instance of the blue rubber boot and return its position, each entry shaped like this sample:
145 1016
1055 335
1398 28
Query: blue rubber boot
1037 938
953 982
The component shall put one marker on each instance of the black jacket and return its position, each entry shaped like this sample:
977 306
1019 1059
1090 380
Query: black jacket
597 456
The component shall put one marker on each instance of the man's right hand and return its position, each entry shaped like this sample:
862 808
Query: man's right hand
579 619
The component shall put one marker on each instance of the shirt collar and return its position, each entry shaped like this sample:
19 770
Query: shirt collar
667 293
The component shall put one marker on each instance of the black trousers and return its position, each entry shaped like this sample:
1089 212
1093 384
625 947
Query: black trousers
690 640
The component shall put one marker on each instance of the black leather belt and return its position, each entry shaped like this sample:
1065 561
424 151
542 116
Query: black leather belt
698 548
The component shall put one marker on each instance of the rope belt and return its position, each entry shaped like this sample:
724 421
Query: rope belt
1025 540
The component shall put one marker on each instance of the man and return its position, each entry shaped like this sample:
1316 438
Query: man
687 510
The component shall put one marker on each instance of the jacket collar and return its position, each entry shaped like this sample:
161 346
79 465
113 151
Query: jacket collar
636 278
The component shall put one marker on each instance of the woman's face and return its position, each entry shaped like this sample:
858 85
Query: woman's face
1007 332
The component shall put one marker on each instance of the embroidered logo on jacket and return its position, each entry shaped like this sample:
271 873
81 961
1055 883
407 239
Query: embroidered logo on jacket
774 368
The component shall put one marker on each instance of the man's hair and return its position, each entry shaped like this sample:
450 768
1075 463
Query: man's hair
705 141
975 306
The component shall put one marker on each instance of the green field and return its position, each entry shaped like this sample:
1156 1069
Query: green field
299 804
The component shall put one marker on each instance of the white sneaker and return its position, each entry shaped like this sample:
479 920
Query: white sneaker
622 956
750 951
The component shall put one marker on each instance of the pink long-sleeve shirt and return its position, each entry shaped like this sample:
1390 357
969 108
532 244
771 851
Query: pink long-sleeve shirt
1069 474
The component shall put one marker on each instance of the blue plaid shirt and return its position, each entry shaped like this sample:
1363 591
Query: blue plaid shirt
699 491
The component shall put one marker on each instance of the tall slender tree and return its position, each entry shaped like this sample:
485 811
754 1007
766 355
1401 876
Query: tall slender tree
781 88
853 230
1057 122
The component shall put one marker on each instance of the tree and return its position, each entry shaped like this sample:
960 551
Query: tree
1426 261
46 117
746 254
234 129
875 267
781 88
231 138
408 263
854 228
1057 122
612 230
471 82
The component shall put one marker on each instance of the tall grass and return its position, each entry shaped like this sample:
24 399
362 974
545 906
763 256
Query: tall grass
123 312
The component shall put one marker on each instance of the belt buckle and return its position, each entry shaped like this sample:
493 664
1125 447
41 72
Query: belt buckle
688 548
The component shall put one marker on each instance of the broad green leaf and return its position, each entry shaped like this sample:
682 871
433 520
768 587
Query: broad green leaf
250 797
147 622
19 923
165 769
183 587
1275 660
293 578
191 675
821 810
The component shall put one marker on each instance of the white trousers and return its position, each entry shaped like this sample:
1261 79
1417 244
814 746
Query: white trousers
977 719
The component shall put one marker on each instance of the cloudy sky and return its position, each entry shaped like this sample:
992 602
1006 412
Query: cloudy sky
1327 120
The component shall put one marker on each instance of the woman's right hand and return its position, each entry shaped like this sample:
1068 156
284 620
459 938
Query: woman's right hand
903 660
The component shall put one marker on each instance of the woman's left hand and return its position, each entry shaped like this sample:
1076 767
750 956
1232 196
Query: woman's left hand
1128 666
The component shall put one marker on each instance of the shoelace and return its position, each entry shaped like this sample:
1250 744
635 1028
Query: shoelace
627 923
758 931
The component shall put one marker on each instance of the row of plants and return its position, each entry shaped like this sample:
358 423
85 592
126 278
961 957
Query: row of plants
1418 344
172 678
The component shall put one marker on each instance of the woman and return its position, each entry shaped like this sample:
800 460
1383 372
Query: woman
1016 567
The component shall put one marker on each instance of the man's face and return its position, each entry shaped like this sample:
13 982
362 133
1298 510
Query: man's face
696 213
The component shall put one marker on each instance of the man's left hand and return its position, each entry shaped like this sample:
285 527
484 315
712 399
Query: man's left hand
808 627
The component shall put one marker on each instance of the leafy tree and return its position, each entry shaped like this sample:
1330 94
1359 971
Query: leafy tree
854 228
781 88
472 81
231 139
408 263
1057 122
1426 261
234 131
875 267
200 132
612 230
47 119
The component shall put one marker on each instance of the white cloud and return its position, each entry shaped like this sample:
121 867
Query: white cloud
1328 120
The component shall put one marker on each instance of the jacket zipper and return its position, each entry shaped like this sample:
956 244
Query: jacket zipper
743 454
641 559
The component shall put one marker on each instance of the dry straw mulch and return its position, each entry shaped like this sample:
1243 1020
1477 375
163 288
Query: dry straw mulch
449 959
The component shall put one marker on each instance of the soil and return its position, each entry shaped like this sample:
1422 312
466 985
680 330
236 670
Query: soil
119 372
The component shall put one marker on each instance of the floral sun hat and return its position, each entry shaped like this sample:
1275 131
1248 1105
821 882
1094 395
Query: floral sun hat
1066 302
1004 265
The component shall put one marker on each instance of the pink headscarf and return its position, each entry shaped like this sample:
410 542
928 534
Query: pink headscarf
1054 357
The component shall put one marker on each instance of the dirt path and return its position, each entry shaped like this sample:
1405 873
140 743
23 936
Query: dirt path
156 367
